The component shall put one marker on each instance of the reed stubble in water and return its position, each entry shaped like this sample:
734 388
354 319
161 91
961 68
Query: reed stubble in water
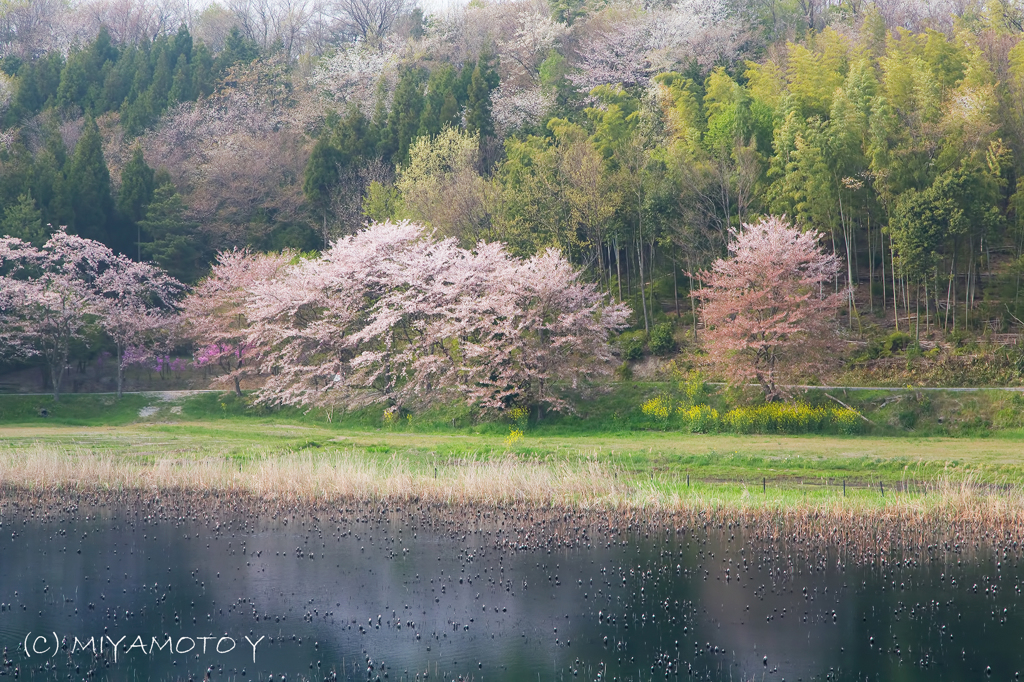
947 505
633 592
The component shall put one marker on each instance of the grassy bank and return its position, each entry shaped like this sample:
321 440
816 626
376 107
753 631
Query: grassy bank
611 454
549 502
614 408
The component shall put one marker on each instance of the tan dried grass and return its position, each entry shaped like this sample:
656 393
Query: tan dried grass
583 484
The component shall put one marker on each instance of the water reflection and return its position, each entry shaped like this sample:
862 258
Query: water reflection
404 596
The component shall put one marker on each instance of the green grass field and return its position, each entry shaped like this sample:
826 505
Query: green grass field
221 427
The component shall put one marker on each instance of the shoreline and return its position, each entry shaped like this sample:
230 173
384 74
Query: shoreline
957 515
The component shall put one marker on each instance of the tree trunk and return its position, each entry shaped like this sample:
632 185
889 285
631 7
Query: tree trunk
952 306
693 298
871 270
949 292
881 252
618 269
643 295
640 254
675 287
917 315
56 375
238 387
120 372
895 295
927 302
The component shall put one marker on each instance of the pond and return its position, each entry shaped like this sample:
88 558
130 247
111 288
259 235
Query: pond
162 590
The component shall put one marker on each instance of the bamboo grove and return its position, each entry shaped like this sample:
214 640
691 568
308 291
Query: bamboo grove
633 138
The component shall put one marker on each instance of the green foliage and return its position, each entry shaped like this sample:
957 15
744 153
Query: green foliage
321 173
631 344
902 147
382 202
662 340
893 344
170 240
137 185
24 221
554 78
88 183
484 79
237 50
791 418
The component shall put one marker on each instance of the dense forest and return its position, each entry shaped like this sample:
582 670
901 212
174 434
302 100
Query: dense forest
631 136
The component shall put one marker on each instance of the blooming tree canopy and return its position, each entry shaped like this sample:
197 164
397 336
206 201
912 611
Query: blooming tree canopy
393 314
49 293
215 315
769 308
134 300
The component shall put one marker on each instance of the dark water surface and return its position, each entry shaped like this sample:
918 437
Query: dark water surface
367 594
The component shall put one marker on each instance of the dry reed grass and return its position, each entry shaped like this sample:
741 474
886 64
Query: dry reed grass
581 484
318 477
953 516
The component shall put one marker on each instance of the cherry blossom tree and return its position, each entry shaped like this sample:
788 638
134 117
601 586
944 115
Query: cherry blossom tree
134 301
394 314
351 75
624 45
770 308
215 315
51 293
614 52
14 292
515 108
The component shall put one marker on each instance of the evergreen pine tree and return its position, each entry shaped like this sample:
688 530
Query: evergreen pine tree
478 99
24 221
202 71
49 187
137 185
74 82
237 50
137 116
439 107
181 85
141 72
102 50
170 239
88 183
183 44
16 174
162 76
404 118
320 177
38 81
114 91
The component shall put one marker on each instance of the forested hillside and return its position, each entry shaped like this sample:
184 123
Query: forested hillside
630 136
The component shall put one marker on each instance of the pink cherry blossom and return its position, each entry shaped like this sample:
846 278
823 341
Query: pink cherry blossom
393 314
770 307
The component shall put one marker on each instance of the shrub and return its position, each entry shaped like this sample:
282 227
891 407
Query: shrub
699 418
895 343
786 418
662 340
656 407
694 388
632 345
